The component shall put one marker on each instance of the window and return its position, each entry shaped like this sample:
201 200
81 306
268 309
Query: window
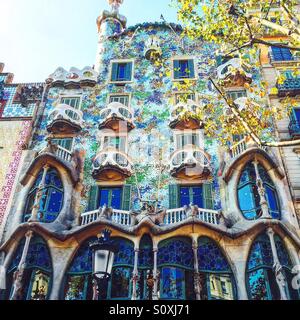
248 195
233 95
79 286
66 143
296 115
187 138
281 54
200 195
183 97
262 284
191 195
73 102
175 261
123 99
110 197
183 69
121 71
216 277
51 200
36 282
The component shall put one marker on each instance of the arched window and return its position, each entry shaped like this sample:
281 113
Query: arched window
79 285
217 282
52 197
145 266
176 263
261 279
248 195
38 271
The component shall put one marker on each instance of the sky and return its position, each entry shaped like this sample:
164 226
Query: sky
38 36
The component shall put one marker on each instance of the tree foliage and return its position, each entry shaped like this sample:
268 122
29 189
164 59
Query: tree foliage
238 29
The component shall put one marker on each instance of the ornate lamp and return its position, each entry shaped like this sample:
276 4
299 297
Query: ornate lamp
104 250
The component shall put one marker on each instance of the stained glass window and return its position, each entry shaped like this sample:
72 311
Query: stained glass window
51 200
262 283
78 285
248 195
217 281
38 270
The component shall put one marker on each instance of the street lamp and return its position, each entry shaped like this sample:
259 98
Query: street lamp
104 250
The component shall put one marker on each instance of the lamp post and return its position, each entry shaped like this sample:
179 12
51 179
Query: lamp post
104 250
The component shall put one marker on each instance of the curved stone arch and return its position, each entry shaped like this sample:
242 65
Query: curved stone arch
233 175
227 258
35 266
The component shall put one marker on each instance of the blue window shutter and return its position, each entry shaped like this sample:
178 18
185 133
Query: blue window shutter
114 72
116 197
207 194
128 72
176 68
93 198
126 197
173 196
191 67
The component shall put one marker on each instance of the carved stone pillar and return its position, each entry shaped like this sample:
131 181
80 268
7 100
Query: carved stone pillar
135 274
155 275
39 194
279 274
197 285
18 275
262 193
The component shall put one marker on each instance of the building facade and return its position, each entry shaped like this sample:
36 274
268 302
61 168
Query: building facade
108 148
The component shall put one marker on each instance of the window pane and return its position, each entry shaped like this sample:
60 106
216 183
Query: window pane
116 198
172 284
104 198
120 282
76 288
184 197
39 286
198 196
258 285
221 287
55 201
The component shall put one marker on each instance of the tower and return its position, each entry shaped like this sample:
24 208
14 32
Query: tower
109 23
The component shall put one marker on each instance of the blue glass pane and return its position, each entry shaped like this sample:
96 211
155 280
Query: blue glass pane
261 254
210 257
297 114
198 197
121 71
55 201
104 197
125 255
271 196
184 197
258 285
282 253
172 284
120 283
146 253
282 54
176 252
116 198
83 261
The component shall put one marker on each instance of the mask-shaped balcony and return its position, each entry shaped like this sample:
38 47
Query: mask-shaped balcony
152 49
186 115
116 116
65 119
190 163
111 164
233 73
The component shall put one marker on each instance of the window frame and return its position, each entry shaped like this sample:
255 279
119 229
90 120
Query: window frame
119 61
182 58
71 96
111 95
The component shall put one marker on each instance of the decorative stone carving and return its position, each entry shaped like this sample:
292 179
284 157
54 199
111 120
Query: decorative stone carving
152 48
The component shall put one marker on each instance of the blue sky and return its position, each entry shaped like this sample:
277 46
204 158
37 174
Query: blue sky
37 36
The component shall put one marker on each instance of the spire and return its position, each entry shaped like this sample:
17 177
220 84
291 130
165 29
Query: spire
115 5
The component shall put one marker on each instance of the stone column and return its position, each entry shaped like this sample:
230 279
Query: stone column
2 271
135 274
155 275
38 197
262 193
240 268
18 275
280 278
197 285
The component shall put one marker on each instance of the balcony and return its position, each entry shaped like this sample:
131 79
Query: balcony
294 129
290 87
241 146
65 119
186 116
116 116
233 73
190 163
111 164
172 216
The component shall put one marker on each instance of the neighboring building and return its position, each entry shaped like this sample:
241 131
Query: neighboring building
111 150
